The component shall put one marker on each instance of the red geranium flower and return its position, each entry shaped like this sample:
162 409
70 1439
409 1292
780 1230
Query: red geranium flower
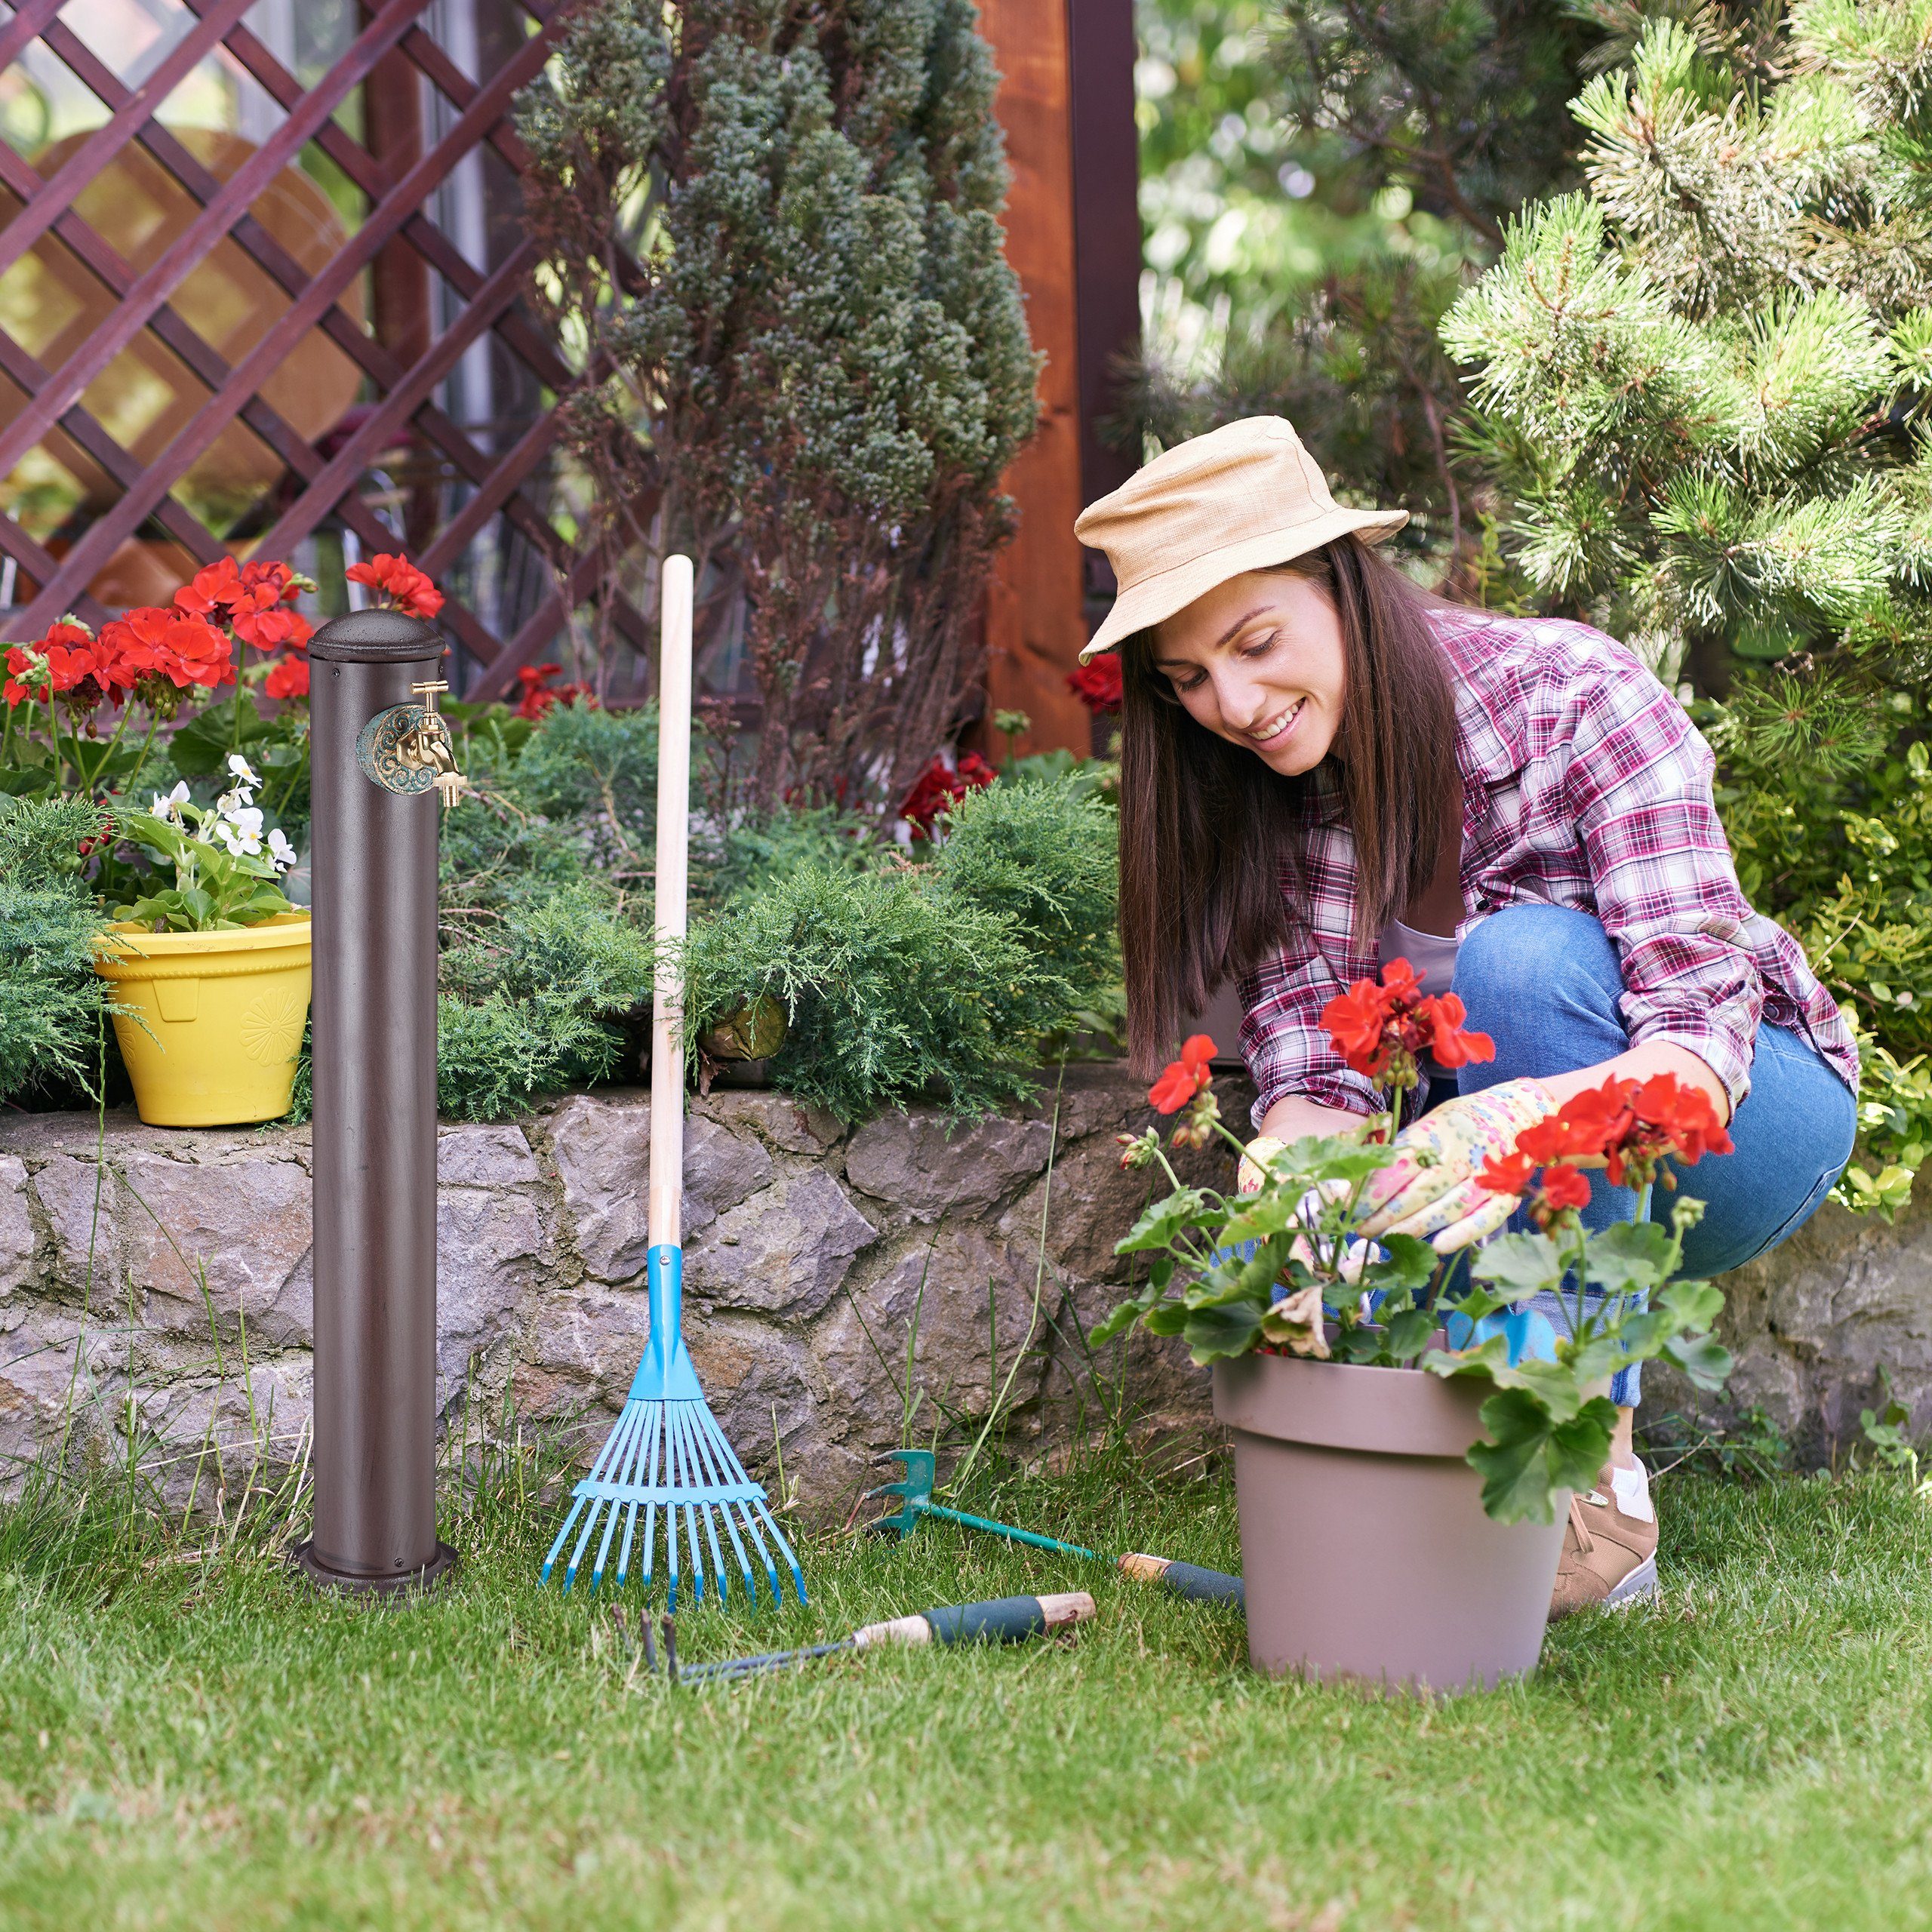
1383 1030
941 786
1097 685
1564 1187
290 678
404 588
68 662
1630 1128
540 696
1509 1173
1180 1080
183 650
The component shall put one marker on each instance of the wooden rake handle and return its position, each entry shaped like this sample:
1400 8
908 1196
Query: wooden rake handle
674 788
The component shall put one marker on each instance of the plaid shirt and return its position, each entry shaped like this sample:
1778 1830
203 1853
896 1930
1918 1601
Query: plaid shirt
1584 784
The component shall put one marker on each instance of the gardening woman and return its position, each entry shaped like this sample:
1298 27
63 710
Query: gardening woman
1323 769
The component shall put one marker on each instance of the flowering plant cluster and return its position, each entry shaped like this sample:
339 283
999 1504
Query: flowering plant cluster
939 787
1097 685
541 696
1283 1268
1384 1029
403 586
225 860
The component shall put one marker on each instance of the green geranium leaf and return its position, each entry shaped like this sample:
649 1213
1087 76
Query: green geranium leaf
1702 1357
1514 1464
1485 1358
1530 1460
1692 1306
1163 1221
1580 1447
1475 1301
1213 1332
1123 1317
1260 1215
1630 1255
1169 1318
1519 1263
1317 1158
1410 1266
1555 1386
1604 1354
1408 1333
23 781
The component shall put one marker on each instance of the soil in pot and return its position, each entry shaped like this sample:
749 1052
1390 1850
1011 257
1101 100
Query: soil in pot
1365 1550
213 1025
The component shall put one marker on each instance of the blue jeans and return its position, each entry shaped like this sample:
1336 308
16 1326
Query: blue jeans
1543 982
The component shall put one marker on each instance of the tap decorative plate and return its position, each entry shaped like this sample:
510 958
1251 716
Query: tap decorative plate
379 751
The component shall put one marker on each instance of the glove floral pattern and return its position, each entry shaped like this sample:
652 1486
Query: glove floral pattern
1281 1267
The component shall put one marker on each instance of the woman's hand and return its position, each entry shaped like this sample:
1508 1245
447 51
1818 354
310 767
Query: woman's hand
1431 1190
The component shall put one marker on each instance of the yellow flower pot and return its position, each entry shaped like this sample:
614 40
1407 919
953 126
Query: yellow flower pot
213 1027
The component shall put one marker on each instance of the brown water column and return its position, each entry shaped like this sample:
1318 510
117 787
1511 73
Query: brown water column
373 846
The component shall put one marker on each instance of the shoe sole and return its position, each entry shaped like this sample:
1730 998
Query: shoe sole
1640 1586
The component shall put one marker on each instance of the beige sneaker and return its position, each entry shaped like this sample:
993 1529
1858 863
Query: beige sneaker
1609 1556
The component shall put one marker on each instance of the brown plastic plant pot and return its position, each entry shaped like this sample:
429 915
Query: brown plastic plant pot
1364 1547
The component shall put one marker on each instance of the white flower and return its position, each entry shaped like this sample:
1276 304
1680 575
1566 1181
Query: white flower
169 806
241 831
232 804
281 851
242 769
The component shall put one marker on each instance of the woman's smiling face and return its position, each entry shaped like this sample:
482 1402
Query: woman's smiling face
1258 661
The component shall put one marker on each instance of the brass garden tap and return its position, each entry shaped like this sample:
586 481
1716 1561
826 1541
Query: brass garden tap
429 743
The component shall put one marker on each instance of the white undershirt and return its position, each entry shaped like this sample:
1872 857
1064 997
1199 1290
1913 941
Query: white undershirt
1432 955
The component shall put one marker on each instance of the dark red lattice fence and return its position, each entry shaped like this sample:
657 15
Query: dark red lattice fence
273 333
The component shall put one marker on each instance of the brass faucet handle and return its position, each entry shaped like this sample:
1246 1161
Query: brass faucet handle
427 692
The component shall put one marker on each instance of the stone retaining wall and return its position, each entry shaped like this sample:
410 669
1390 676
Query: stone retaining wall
141 1280
814 1260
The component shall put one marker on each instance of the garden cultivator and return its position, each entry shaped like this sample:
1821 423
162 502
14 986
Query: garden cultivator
916 1495
667 1454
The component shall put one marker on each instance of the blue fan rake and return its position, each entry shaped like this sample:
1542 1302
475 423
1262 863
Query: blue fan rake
667 1457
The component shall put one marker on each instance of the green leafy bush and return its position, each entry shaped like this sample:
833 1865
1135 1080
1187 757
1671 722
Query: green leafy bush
821 360
541 1008
1705 388
597 770
893 992
752 853
936 981
51 1001
1046 856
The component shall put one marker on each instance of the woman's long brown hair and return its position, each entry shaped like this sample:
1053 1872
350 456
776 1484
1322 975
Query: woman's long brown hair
1209 835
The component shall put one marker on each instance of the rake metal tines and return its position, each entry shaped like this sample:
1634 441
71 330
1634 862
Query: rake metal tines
671 1456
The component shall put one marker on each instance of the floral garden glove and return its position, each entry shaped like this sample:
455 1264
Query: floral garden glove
1432 1191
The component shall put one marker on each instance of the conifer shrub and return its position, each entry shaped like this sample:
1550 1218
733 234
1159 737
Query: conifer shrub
1046 858
941 981
52 1002
541 1008
819 369
1702 387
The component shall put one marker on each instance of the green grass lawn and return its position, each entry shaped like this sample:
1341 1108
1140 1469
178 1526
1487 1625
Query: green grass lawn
192 1743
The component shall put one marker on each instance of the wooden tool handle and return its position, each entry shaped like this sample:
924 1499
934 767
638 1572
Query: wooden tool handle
674 776
1001 1620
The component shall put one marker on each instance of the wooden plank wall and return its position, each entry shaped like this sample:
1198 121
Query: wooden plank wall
1034 618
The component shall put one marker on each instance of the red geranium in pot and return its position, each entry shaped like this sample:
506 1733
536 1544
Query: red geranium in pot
1401 1501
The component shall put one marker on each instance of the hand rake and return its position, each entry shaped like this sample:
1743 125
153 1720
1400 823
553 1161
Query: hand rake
1002 1621
667 1453
916 1495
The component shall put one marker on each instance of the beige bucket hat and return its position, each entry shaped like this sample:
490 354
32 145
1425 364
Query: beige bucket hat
1240 498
